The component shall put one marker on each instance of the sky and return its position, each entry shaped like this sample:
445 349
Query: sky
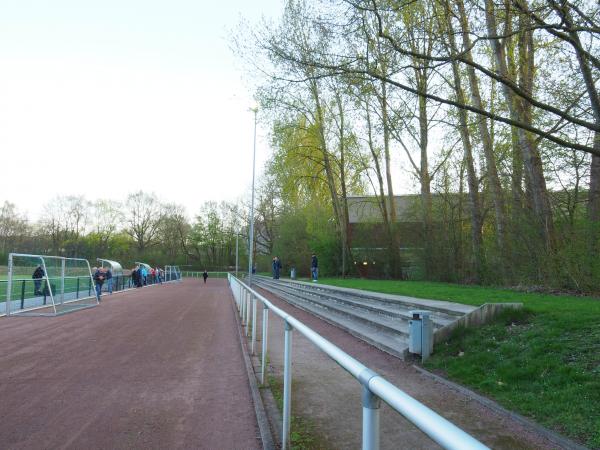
105 98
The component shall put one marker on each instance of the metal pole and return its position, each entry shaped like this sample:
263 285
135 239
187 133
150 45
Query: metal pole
254 301
248 317
370 422
251 234
48 284
242 304
287 387
62 283
265 331
9 286
237 253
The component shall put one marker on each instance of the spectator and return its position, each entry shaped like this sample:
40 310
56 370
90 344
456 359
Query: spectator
38 276
136 277
159 275
144 276
109 280
277 267
99 280
152 275
314 268
205 275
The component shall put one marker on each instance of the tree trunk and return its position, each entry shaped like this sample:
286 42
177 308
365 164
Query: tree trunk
472 181
531 157
486 140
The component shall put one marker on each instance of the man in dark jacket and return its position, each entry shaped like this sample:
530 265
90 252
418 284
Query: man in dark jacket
205 275
38 276
99 281
277 267
314 267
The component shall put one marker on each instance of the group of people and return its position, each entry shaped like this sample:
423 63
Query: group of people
140 276
314 268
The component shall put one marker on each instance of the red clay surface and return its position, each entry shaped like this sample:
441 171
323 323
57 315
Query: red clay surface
155 368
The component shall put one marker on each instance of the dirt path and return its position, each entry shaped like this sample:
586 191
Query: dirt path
155 368
327 396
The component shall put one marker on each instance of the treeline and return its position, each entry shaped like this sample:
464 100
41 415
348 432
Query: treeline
141 228
490 109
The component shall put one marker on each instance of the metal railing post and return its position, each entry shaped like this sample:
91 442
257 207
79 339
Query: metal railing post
23 294
370 412
62 280
9 285
244 323
254 300
287 387
265 331
248 318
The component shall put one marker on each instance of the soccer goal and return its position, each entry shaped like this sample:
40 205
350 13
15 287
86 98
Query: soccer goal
172 273
42 285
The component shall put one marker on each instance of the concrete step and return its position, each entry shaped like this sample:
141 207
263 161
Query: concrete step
451 309
391 341
379 319
395 310
368 318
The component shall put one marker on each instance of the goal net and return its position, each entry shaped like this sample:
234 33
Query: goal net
172 273
45 285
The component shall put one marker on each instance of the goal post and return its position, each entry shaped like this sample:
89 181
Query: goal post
44 285
172 273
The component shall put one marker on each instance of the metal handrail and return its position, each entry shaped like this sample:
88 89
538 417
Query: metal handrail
375 387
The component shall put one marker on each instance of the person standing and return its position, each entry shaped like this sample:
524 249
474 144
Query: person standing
277 267
109 280
205 275
38 276
144 272
99 281
158 275
135 276
273 266
314 267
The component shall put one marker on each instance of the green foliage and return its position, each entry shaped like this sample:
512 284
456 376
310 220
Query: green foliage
543 361
302 233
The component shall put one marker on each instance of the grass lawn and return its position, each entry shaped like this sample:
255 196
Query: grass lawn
71 285
543 363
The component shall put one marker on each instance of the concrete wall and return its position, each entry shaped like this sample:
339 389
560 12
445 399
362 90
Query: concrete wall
480 316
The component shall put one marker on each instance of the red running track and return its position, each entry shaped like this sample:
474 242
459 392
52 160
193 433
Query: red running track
156 368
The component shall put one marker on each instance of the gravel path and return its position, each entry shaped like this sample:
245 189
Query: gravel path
329 397
155 368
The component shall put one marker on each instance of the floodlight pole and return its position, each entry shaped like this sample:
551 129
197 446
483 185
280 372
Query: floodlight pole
251 234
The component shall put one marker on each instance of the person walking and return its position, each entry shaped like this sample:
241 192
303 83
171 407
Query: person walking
109 280
38 276
205 275
314 267
99 281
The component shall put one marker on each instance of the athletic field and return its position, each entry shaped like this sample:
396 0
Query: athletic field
148 368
